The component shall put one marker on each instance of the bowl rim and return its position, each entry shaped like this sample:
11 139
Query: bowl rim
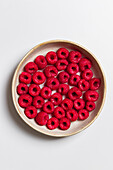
14 77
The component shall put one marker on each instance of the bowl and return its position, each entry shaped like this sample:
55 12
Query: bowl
42 49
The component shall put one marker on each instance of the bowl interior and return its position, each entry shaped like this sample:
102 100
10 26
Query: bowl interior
42 49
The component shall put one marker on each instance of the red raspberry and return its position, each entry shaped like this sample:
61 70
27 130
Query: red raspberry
30 112
22 88
38 102
79 104
34 90
63 77
53 83
91 96
59 112
48 107
72 115
64 123
75 56
41 61
25 77
61 64
67 104
46 92
72 68
56 98
84 64
74 79
63 88
50 71
90 106
74 93
51 57
87 74
83 85
42 118
52 123
25 100
31 67
83 114
39 78
94 83
62 53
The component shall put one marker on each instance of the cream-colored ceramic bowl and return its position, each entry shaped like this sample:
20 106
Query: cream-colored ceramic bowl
42 49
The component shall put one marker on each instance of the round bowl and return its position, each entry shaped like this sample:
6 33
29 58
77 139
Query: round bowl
42 49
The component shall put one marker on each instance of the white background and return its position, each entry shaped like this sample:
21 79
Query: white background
26 23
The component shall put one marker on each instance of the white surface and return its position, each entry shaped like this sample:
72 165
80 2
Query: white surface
24 24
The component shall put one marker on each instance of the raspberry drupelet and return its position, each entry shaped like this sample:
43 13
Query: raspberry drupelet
39 78
50 71
22 88
72 115
42 118
74 93
51 57
31 67
61 64
63 89
25 77
74 56
30 112
63 77
41 62
45 92
79 104
59 112
62 53
34 90
56 98
38 102
64 123
52 123
25 100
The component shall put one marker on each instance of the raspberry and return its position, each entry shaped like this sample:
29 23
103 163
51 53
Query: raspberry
83 85
51 57
52 123
74 56
64 123
25 77
52 83
42 118
25 100
74 93
67 104
62 53
84 64
79 104
50 71
83 114
56 98
46 92
31 67
22 88
63 77
30 112
61 64
59 112
91 96
72 115
90 106
48 107
72 68
74 79
63 88
41 61
34 90
94 83
38 102
39 78
87 74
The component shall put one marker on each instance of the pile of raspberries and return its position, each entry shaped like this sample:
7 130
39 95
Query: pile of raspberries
68 92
